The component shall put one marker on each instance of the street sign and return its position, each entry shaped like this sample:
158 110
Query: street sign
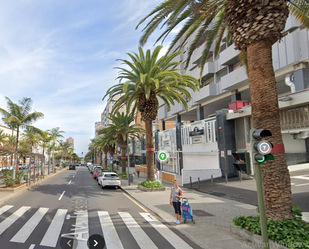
111 159
162 156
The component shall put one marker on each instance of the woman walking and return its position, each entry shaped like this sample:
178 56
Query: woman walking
176 195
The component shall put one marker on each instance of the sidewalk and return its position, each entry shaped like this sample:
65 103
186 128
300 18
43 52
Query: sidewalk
213 215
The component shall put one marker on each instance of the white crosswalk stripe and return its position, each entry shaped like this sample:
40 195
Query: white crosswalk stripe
5 208
12 218
28 228
137 232
169 235
51 236
112 239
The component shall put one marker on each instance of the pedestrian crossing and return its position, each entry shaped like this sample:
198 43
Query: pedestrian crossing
32 217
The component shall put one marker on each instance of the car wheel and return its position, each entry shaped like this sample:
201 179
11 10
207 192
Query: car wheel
102 186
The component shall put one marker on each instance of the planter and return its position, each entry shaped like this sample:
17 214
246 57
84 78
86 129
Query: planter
13 189
142 188
254 239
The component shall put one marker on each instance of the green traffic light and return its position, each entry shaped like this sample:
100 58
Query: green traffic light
259 158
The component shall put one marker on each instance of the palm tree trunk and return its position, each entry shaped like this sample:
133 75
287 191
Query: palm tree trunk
106 160
149 150
123 160
48 162
265 113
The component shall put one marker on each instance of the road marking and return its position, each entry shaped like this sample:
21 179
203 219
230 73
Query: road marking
5 208
61 195
305 216
136 203
82 228
303 177
169 235
12 218
112 239
52 234
24 233
303 184
70 182
32 246
137 232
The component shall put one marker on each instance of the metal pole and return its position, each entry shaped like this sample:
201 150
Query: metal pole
128 150
199 184
190 181
212 180
225 177
240 176
259 187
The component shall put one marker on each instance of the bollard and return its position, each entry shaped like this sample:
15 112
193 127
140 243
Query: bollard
190 181
240 176
199 184
225 177
212 180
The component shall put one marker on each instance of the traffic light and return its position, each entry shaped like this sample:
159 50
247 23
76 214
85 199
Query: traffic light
261 148
242 162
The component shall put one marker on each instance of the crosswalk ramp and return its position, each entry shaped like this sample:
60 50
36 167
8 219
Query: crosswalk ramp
32 217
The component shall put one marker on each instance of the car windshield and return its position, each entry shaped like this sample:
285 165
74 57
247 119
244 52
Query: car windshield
110 175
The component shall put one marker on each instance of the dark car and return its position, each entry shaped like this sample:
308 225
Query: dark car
72 166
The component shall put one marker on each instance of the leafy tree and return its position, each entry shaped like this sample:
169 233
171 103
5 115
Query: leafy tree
140 87
20 116
55 134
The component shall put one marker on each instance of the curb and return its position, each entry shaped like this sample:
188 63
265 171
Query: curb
255 240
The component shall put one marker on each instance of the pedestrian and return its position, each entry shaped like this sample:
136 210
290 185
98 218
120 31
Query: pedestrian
157 175
176 195
137 170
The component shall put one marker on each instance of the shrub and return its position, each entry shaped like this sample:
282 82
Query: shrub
8 181
150 184
6 172
291 233
122 175
19 175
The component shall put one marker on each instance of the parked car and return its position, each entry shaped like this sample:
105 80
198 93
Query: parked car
109 179
96 171
72 166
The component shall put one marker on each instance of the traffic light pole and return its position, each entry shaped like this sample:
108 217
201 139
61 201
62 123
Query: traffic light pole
259 187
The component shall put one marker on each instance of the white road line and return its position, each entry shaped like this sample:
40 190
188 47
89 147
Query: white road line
52 234
303 177
5 208
32 246
169 235
61 195
24 233
306 216
137 232
111 236
303 184
70 182
12 218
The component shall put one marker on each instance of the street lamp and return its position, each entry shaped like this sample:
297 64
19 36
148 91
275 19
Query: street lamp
128 149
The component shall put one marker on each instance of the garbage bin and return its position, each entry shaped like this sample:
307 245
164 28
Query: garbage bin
131 177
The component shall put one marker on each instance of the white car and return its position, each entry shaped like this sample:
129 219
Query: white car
109 179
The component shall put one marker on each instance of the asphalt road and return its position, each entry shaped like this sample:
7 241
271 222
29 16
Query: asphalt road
64 211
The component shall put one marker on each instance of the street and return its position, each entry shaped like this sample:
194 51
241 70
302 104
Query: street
63 212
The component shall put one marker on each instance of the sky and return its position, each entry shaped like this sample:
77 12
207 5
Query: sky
62 55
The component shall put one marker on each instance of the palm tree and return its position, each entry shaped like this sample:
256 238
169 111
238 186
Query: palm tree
55 134
31 138
20 116
151 78
3 138
65 150
46 139
121 129
254 26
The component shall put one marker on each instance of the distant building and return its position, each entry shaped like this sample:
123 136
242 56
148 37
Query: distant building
70 140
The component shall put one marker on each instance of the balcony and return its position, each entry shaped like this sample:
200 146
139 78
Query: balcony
234 80
204 93
209 68
228 55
